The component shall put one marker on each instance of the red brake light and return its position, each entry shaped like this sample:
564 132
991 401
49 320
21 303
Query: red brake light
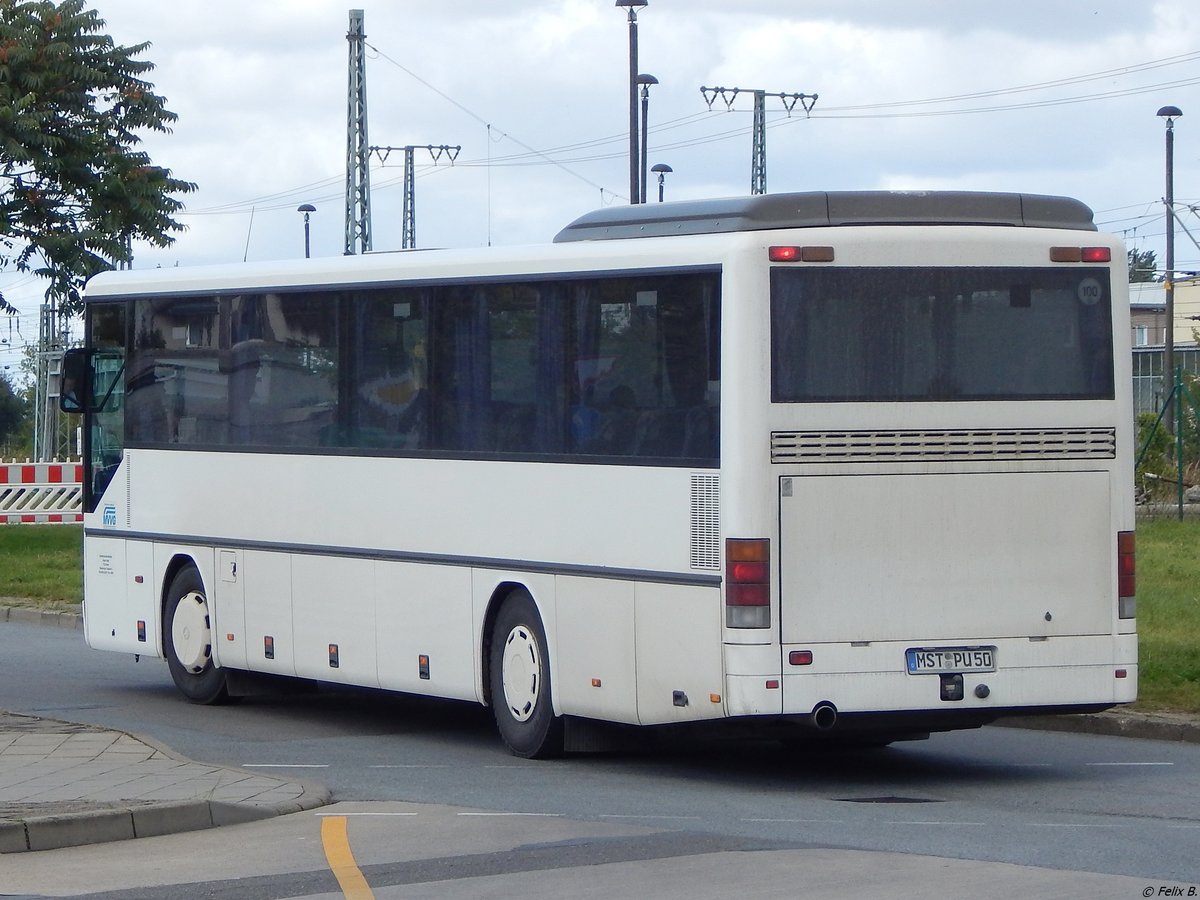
783 254
1126 575
748 572
1096 254
1126 564
748 595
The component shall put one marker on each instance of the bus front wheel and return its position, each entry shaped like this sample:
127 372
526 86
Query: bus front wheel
519 673
187 640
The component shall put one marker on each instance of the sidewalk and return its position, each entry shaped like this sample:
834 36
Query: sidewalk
63 784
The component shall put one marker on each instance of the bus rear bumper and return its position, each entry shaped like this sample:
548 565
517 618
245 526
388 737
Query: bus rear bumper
1067 673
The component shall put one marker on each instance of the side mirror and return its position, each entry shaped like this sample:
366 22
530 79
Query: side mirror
76 380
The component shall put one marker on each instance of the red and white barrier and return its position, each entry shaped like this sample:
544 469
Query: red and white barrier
41 492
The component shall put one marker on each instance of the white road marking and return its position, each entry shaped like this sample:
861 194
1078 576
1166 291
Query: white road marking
285 765
1130 764
796 821
511 767
411 766
953 824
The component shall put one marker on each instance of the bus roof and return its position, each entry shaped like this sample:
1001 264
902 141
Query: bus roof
815 209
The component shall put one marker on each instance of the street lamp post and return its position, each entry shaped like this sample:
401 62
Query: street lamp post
632 6
645 81
661 170
306 208
1170 113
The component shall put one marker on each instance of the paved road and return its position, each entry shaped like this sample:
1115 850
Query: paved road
404 850
1072 803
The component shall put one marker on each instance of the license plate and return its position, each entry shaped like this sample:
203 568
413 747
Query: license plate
935 660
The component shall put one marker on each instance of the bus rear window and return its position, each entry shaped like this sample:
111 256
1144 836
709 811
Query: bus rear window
917 334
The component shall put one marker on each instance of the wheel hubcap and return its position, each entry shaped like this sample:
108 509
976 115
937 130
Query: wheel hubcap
190 633
522 673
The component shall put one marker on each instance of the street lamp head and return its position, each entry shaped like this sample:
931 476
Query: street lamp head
647 79
306 208
661 170
1170 112
632 3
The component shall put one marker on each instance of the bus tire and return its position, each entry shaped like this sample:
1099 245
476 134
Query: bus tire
519 675
187 640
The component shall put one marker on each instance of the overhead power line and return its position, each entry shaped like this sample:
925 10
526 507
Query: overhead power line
554 156
1034 86
490 126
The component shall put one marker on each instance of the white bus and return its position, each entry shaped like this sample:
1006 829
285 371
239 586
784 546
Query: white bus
848 465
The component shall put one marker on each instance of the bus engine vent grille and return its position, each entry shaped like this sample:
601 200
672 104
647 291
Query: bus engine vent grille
706 522
942 446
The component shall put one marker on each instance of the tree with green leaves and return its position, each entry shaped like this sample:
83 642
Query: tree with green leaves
14 412
1142 265
75 189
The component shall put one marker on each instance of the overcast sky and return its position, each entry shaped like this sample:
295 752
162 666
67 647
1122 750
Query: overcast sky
1052 96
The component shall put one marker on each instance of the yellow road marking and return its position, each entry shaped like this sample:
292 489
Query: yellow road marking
341 861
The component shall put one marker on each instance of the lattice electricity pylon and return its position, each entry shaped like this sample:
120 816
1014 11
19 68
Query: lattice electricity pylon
358 176
408 239
51 431
758 151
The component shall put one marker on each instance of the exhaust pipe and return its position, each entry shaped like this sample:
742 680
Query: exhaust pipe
824 716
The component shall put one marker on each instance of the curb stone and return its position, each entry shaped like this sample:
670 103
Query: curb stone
1156 726
59 619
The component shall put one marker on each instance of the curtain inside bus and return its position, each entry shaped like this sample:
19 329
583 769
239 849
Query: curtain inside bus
615 368
912 334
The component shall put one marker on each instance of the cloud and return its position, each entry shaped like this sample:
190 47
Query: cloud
261 88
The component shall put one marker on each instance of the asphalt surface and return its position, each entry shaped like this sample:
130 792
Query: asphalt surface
64 784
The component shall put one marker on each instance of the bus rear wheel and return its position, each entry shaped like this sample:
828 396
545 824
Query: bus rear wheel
187 641
519 675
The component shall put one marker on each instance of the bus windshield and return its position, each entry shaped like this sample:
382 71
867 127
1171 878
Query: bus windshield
913 334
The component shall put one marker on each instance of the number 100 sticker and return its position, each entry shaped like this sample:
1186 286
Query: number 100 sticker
1089 291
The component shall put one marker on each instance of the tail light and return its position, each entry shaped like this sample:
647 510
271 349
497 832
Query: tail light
800 254
1081 254
748 583
1126 576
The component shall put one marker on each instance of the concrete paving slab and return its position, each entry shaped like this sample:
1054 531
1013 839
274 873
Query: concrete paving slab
63 784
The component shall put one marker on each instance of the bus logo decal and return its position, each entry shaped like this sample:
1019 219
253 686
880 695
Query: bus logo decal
110 516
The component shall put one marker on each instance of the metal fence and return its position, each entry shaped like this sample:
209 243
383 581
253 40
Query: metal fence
1148 392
